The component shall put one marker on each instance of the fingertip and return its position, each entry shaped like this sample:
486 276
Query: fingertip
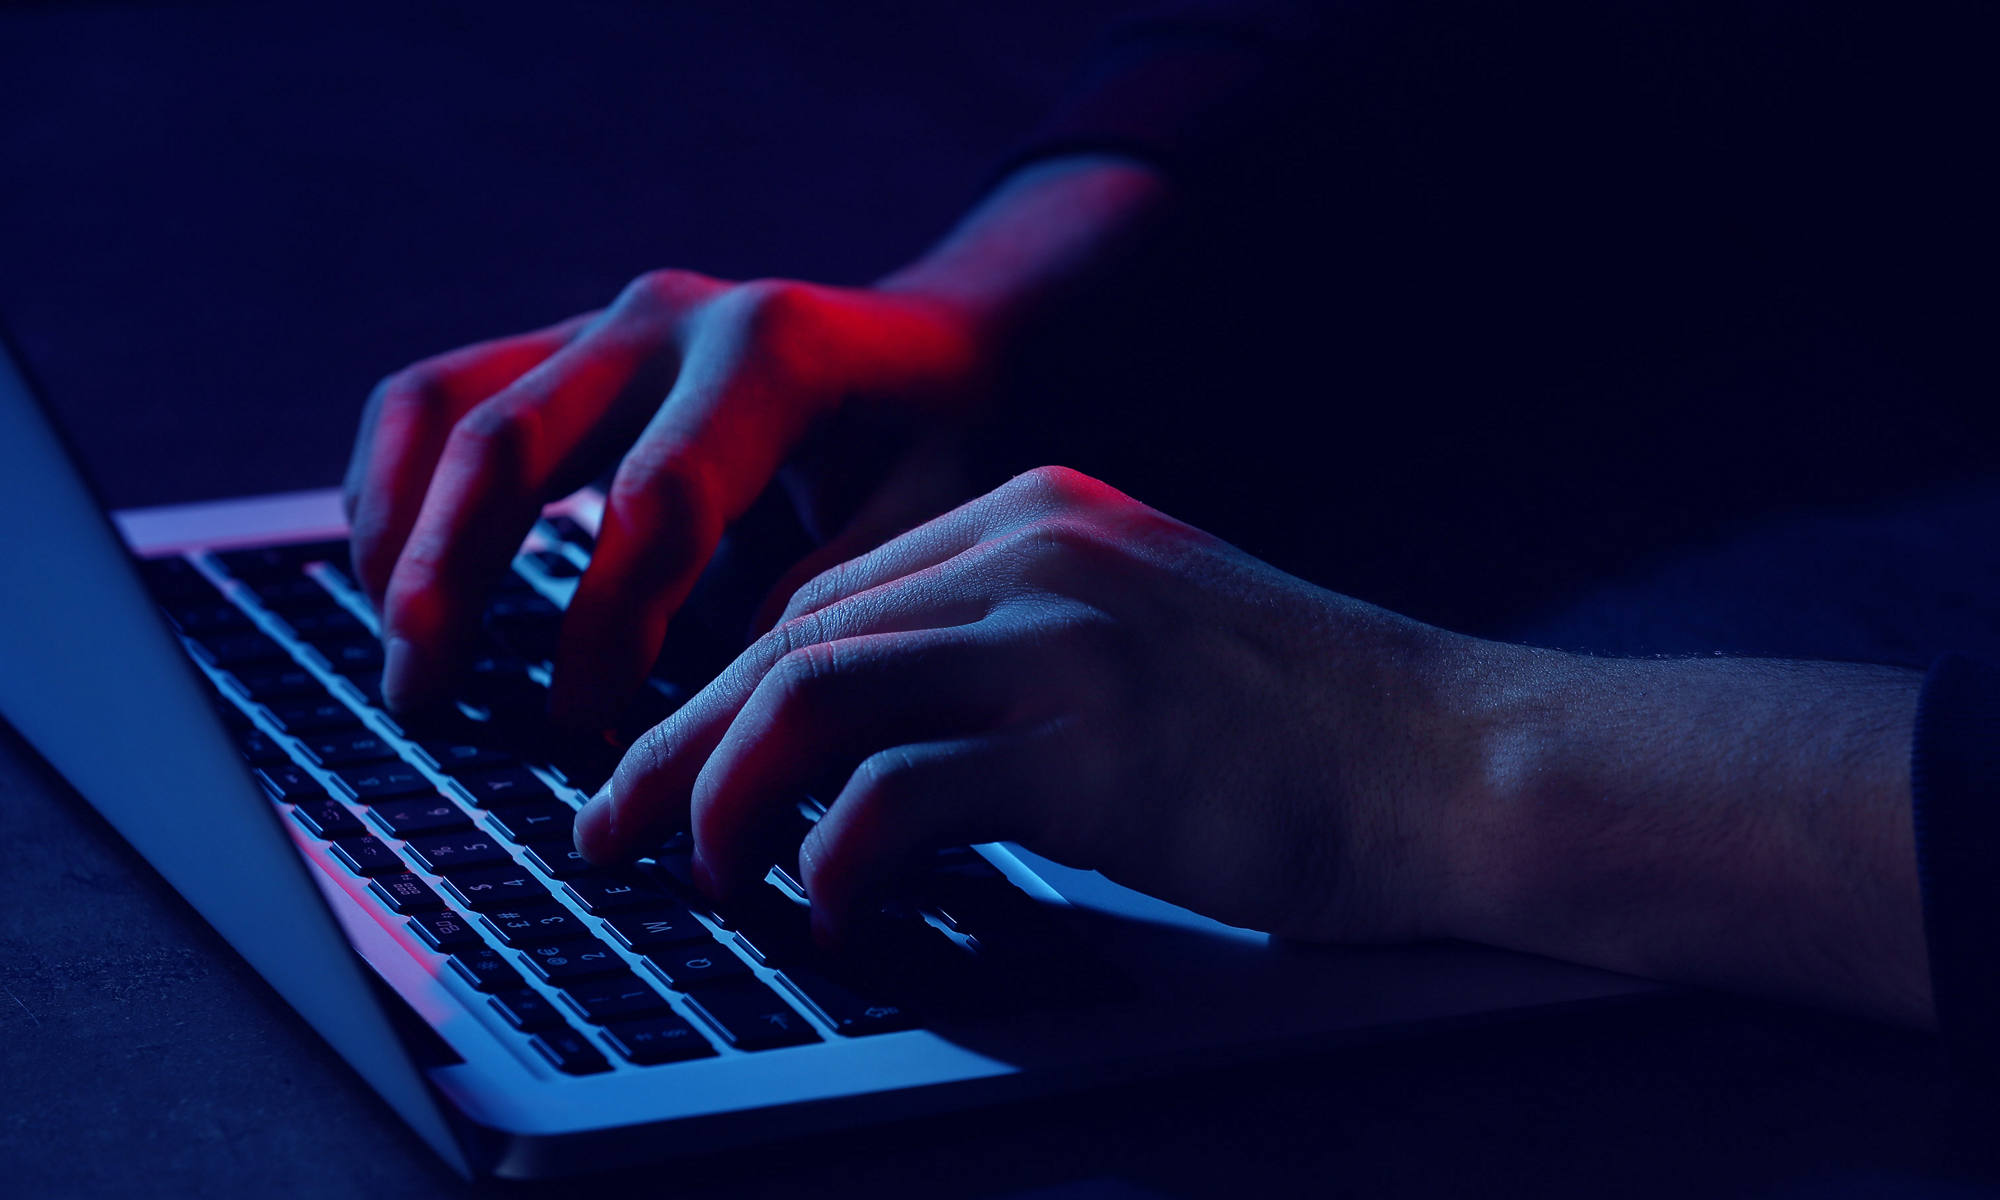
597 829
411 676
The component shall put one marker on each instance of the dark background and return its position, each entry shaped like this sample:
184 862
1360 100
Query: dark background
220 223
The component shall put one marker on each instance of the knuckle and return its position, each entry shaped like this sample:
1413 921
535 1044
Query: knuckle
815 593
1053 483
888 780
803 676
768 307
655 484
495 441
666 287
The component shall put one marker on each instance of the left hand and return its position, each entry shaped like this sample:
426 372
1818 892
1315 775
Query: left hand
1057 664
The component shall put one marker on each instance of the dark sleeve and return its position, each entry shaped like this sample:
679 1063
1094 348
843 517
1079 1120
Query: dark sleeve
1955 786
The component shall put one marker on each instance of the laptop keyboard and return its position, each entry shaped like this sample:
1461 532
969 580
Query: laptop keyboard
461 828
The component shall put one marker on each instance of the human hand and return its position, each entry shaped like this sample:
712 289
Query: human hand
700 390
1057 664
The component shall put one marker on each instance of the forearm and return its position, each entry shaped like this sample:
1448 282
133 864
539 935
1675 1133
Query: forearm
1738 823
1047 228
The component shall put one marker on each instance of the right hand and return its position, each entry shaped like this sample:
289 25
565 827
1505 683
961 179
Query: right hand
700 390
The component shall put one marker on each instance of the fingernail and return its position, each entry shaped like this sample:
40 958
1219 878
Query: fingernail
597 829
403 666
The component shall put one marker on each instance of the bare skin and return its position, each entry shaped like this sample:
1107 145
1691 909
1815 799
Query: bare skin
1057 664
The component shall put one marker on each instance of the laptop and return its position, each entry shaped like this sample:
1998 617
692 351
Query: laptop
411 891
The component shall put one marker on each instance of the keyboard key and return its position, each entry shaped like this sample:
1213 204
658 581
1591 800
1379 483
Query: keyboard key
261 563
209 617
330 625
444 930
259 750
289 783
569 529
367 855
502 786
539 821
643 929
487 969
271 684
410 817
606 892
525 1009
328 818
660 1039
176 581
384 781
773 929
569 1052
750 1016
290 594
540 923
313 717
584 762
458 756
405 893
356 658
531 636
561 961
850 1013
617 997
692 966
441 852
348 749
555 564
559 859
505 885
227 651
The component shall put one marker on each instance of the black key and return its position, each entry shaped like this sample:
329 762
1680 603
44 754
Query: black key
269 685
328 818
227 651
660 1039
366 855
176 581
358 658
604 893
535 924
461 758
444 930
524 601
348 749
559 859
405 893
487 969
526 1010
369 686
326 626
302 717
643 929
849 1012
503 886
617 997
260 751
569 529
384 781
750 1016
569 1052
693 966
289 783
555 564
209 617
286 595
561 961
542 821
428 814
440 852
773 929
584 762
503 786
